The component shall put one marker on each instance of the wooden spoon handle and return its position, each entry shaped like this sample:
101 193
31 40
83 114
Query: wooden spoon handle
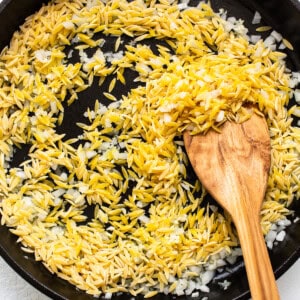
258 266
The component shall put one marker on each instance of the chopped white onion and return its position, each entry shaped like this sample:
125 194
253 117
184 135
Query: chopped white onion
256 18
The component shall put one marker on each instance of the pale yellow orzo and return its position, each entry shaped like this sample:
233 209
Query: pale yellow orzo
150 231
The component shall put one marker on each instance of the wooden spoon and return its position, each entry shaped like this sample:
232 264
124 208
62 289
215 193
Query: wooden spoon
233 166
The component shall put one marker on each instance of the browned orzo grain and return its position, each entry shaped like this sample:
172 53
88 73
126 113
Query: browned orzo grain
150 231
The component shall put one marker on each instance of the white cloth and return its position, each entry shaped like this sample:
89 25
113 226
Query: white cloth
13 287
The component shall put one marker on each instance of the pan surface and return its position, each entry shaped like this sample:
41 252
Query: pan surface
283 18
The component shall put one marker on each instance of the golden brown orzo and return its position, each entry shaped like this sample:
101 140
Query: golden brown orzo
151 230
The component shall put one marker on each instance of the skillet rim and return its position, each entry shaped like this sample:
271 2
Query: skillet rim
7 253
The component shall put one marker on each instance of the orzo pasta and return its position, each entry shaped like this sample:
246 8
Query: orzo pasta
151 229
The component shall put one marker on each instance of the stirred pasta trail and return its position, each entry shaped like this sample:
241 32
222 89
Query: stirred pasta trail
189 67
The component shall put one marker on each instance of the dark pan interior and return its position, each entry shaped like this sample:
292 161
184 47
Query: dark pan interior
284 18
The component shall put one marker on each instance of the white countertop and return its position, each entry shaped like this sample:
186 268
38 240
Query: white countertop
13 287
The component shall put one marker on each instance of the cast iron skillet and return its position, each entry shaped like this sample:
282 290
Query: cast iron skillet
283 16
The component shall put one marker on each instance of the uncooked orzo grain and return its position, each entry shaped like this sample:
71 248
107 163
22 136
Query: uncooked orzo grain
151 230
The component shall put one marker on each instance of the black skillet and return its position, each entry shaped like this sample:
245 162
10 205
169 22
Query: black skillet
283 16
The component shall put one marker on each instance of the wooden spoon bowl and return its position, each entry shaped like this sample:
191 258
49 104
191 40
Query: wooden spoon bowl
233 166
